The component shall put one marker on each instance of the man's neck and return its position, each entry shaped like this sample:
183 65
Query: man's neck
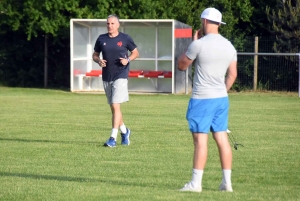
212 32
212 29
112 35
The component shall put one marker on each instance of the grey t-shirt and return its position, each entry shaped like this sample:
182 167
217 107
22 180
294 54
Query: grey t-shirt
212 54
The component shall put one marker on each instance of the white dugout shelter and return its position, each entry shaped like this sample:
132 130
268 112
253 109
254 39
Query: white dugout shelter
160 43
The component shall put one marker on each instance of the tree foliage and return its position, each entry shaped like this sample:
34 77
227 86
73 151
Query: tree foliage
52 16
24 23
34 16
258 25
285 25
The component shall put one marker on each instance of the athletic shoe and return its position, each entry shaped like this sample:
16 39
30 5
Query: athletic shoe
228 131
190 187
125 137
224 187
111 142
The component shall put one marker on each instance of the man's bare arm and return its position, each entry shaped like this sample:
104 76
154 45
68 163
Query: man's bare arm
231 75
134 54
184 62
96 57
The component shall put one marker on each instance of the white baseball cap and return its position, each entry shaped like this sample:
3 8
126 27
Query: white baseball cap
212 14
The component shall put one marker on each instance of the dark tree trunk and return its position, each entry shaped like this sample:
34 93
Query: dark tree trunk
46 62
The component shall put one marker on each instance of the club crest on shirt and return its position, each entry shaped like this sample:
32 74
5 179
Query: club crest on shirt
120 43
104 43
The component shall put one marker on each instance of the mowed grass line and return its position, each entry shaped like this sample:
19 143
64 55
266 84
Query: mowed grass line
51 148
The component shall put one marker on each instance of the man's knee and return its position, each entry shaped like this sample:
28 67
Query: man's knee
115 107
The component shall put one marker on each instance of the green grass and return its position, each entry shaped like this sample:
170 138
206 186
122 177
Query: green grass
51 148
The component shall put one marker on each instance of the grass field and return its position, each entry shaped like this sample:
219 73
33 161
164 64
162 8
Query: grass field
51 148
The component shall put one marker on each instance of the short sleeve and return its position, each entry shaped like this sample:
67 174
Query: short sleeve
130 44
235 56
97 47
193 49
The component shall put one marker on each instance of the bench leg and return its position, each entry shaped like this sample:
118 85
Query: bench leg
80 82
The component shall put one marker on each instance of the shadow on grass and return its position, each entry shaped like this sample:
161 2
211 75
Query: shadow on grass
47 141
49 177
83 179
72 179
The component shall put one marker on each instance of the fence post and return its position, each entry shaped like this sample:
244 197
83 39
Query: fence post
299 76
255 64
46 62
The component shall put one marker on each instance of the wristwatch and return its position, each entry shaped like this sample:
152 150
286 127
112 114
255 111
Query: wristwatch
128 59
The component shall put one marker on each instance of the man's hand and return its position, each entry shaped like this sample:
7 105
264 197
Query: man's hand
198 34
102 63
124 61
96 58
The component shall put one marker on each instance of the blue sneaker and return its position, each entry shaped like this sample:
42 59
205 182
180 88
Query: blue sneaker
111 142
125 137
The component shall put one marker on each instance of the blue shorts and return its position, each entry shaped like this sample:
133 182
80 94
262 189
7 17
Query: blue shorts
206 115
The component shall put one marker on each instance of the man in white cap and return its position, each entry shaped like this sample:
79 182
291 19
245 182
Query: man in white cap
215 72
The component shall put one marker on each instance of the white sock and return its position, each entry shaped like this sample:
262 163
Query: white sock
123 128
226 177
114 133
197 178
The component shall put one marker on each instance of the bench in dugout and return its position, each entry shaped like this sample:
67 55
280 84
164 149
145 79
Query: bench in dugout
132 74
149 74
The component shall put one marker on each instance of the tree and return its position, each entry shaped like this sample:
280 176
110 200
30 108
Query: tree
285 19
34 18
36 33
285 25
258 24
